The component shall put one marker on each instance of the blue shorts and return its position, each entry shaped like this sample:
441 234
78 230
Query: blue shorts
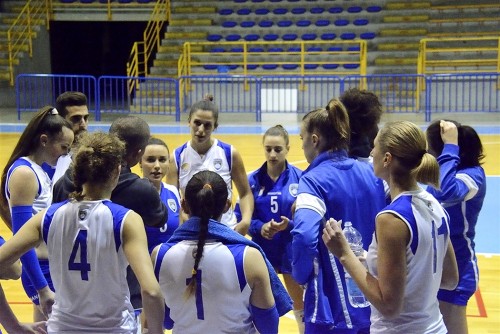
29 288
311 328
467 286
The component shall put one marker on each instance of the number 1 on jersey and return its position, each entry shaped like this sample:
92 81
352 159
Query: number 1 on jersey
200 313
83 266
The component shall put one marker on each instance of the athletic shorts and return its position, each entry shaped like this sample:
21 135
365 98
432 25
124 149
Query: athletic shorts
327 329
466 287
28 286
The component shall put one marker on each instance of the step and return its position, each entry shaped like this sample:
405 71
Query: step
190 22
398 46
407 5
5 62
186 35
406 18
11 20
23 48
396 61
402 32
178 48
192 10
17 34
4 76
165 62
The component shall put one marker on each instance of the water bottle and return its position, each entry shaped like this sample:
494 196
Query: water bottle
354 238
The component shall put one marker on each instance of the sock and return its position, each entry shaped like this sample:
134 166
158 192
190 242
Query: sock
299 317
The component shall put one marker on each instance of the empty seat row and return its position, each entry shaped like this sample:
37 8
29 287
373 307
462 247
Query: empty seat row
288 50
299 23
299 10
242 1
106 1
329 66
290 37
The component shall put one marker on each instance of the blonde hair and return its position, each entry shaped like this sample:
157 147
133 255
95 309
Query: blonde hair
406 142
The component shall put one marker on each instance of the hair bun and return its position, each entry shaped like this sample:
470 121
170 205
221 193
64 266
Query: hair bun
208 97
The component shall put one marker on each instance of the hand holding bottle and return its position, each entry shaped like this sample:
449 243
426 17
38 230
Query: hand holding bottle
334 238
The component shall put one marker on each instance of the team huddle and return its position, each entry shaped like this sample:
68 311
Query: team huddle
103 250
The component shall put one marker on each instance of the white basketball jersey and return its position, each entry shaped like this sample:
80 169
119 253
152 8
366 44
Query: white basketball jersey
428 224
221 303
44 195
88 268
217 159
62 166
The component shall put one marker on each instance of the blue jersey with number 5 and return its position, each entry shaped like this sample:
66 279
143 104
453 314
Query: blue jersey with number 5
88 267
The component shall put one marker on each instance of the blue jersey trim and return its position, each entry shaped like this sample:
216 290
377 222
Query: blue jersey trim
118 212
227 152
47 219
238 252
22 162
159 258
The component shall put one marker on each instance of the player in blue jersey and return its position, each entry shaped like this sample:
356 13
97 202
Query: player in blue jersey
27 189
90 242
203 152
155 164
333 186
213 279
274 186
459 153
411 255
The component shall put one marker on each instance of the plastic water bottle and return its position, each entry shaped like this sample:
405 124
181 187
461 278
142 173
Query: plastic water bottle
354 238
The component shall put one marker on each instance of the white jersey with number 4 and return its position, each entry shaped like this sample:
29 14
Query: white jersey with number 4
88 268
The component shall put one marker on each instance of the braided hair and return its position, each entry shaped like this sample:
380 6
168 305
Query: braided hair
206 196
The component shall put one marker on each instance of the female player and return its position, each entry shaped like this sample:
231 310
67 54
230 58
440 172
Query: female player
90 242
274 186
334 185
213 279
203 152
27 189
459 154
411 256
155 164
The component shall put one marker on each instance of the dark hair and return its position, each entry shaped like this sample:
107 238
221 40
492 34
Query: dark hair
69 99
332 123
206 104
471 149
206 196
96 161
158 141
45 121
406 143
133 131
278 131
364 110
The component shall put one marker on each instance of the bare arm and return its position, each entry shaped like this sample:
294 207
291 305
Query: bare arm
449 280
240 179
172 176
385 293
258 279
136 251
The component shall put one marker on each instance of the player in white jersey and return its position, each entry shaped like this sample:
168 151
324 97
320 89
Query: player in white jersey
27 189
212 279
90 242
411 255
203 152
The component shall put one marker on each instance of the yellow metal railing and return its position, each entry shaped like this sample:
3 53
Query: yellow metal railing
137 64
21 32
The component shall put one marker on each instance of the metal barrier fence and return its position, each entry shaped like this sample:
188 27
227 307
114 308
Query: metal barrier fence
439 93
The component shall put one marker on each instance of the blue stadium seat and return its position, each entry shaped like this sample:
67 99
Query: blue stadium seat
294 49
341 22
247 24
261 11
360 22
144 1
367 35
353 48
251 37
317 10
243 11
335 48
373 9
280 11
233 37
328 36
284 23
293 0
257 0
330 66
322 23
232 67
275 0
210 67
217 49
119 1
314 49
70 1
236 49
90 1
309 37
240 1
311 66
351 66
347 36
229 24
226 11
252 66
255 49
269 66
290 66
266 24
289 37
354 9
335 10
298 10
275 49
214 38
270 37
303 23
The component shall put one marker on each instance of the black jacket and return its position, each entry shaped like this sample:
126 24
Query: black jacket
131 192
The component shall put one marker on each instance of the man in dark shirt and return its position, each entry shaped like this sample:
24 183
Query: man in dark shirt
132 192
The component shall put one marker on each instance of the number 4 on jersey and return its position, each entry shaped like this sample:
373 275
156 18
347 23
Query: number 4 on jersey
83 266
